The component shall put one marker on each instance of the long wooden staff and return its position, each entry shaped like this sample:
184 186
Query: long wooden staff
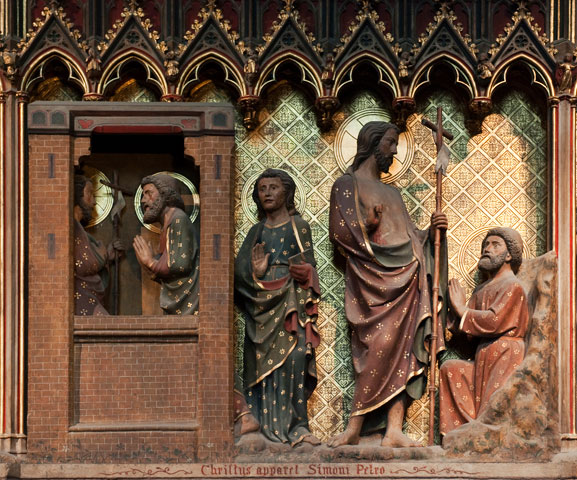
116 228
119 204
439 134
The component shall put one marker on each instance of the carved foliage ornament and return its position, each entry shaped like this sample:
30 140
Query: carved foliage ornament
207 13
448 16
53 37
287 14
132 11
522 14
366 14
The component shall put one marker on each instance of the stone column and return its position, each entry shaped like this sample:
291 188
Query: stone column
12 272
563 223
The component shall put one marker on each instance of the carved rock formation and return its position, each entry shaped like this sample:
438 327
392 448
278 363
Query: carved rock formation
521 419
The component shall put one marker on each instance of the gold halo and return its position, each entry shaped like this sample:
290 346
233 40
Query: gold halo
467 266
102 195
177 176
249 207
346 143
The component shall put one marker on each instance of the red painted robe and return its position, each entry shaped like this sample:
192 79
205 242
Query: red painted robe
387 304
498 312
89 265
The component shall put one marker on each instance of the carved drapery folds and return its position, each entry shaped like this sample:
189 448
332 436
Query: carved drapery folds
246 65
521 418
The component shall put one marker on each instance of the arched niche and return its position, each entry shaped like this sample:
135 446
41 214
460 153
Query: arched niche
289 72
132 80
366 74
445 71
522 72
211 80
292 68
55 79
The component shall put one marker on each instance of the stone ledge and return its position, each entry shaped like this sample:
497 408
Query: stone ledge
564 466
182 426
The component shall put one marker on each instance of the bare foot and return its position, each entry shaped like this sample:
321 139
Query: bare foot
311 439
247 424
351 435
397 439
348 437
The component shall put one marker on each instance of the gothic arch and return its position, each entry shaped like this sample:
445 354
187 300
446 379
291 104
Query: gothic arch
112 71
540 75
464 77
385 70
233 76
35 69
310 75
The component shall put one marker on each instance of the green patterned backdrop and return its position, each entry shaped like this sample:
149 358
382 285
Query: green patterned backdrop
498 177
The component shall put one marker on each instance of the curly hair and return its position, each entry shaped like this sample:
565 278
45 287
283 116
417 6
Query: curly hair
369 138
165 186
289 188
514 243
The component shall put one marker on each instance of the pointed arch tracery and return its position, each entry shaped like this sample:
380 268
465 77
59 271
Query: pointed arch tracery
387 76
464 77
310 74
113 71
540 76
35 70
190 72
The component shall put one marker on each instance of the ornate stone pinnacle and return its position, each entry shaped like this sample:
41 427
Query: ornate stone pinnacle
522 6
288 4
366 6
131 5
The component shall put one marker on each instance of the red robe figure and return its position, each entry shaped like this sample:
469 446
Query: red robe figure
497 312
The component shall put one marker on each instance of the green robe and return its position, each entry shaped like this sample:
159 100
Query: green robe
177 266
281 333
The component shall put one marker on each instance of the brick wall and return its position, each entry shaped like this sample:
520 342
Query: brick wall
214 156
127 389
49 285
120 380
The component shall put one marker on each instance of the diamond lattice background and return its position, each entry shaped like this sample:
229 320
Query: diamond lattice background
495 178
